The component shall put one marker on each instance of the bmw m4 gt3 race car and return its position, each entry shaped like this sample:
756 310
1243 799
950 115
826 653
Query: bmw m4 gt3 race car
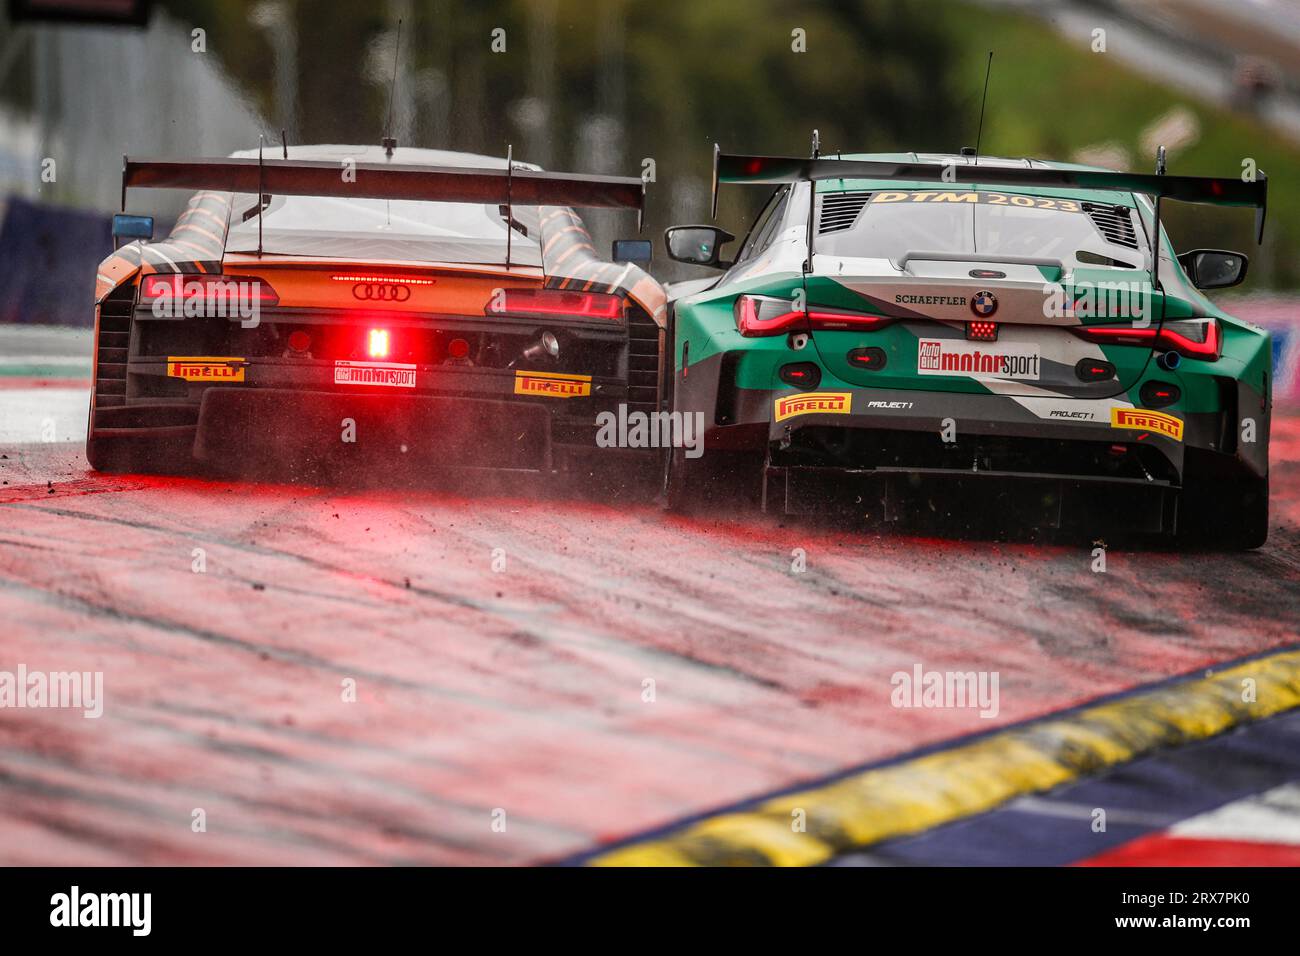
897 323
347 304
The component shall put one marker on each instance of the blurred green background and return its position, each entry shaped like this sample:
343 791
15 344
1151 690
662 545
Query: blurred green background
604 86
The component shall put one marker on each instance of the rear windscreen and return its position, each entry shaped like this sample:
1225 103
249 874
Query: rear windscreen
383 229
887 224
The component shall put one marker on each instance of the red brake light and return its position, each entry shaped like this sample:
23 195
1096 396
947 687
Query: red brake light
377 343
577 305
394 280
982 331
1207 347
835 320
1102 335
154 286
759 315
1177 336
764 315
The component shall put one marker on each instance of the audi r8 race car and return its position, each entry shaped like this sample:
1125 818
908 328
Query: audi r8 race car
899 324
349 303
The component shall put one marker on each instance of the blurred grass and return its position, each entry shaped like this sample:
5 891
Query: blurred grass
879 75
1050 96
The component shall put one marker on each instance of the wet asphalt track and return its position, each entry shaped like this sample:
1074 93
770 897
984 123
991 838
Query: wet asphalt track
524 689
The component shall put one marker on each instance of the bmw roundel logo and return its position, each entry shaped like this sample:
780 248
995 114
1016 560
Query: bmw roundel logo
984 304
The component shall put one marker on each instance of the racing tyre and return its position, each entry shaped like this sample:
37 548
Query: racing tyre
1230 513
717 479
144 455
107 456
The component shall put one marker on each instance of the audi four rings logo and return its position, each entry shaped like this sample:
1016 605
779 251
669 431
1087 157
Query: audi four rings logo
381 291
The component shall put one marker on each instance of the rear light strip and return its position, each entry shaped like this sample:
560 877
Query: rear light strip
763 315
559 302
395 280
1164 337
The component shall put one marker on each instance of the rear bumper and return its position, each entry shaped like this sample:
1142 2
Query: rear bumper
752 419
1041 500
756 419
285 411
255 427
882 452
264 428
784 414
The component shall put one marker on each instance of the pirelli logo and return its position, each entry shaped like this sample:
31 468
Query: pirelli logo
1145 421
206 368
813 403
552 384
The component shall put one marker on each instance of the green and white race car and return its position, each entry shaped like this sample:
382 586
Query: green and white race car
898 322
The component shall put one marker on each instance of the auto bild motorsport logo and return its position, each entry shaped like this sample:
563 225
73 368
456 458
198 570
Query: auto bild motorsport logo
978 359
984 304
813 403
388 374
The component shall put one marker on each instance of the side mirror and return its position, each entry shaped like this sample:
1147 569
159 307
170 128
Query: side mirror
127 228
697 245
1214 268
637 251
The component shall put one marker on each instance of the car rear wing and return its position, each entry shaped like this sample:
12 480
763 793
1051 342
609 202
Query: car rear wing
774 170
296 177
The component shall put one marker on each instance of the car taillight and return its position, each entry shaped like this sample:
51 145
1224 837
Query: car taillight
761 315
377 343
557 302
837 320
182 287
391 280
1190 338
758 315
